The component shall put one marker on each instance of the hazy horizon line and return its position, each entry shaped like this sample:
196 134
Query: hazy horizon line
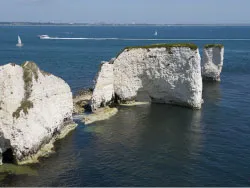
110 23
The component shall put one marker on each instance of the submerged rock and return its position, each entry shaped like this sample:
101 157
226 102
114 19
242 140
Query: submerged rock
167 73
35 109
212 62
99 115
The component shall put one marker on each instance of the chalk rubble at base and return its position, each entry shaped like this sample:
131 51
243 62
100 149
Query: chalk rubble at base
35 110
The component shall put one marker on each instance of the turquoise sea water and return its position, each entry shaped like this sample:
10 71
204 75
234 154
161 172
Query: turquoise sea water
155 145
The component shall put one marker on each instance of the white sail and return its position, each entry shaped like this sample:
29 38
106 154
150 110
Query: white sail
19 41
156 33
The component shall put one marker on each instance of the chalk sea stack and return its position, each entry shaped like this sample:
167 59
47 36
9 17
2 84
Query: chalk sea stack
35 110
168 73
103 93
212 62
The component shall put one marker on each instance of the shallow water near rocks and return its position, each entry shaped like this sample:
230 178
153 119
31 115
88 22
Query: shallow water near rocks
146 145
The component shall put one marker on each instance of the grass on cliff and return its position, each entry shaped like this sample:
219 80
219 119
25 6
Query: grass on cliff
214 46
45 73
30 69
163 45
25 106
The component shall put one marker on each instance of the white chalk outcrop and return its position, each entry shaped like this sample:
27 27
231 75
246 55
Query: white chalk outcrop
104 87
35 107
212 62
167 73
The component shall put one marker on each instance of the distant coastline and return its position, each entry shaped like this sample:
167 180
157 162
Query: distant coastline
109 24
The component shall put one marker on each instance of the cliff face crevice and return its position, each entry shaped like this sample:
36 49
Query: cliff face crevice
168 74
33 105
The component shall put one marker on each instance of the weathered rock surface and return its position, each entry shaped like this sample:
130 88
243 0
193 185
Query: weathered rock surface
167 73
212 62
104 87
82 101
35 108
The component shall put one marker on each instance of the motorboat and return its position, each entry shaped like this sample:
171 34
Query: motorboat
44 36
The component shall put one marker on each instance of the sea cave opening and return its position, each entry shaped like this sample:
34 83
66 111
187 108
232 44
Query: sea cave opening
7 156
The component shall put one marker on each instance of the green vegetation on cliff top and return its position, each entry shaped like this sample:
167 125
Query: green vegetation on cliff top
163 45
214 46
178 45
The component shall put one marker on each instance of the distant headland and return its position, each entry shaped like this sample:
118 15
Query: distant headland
111 24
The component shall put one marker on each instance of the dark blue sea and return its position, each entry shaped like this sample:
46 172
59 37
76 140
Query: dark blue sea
151 145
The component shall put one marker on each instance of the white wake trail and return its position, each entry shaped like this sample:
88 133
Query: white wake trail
131 39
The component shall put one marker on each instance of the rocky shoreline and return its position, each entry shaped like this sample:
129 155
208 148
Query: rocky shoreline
37 108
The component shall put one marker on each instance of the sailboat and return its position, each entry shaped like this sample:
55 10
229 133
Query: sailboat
19 42
156 33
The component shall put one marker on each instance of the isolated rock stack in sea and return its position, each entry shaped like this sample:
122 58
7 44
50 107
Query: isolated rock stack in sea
35 110
169 73
104 88
212 62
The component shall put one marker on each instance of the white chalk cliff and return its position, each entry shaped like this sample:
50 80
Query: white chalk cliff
167 73
34 107
104 87
212 62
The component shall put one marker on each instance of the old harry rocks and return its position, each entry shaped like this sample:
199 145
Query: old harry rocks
167 73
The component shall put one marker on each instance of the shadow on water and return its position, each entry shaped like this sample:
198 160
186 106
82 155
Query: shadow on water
212 92
211 108
143 143
175 126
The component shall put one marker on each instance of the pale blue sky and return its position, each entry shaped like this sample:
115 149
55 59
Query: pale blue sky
127 11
